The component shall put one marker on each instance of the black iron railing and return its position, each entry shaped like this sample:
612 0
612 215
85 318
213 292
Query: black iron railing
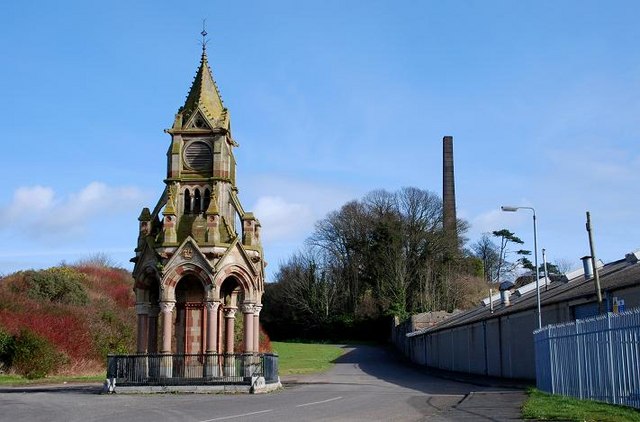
191 369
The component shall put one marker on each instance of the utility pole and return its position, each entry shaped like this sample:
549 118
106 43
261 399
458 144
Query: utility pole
593 262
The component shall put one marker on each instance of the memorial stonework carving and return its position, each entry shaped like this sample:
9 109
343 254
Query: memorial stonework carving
199 258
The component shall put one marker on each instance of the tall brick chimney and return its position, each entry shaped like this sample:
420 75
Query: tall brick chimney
448 191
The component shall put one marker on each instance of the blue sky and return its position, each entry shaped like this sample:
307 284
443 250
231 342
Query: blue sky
328 100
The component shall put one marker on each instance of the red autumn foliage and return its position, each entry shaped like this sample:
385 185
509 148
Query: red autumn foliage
82 332
114 283
265 342
66 331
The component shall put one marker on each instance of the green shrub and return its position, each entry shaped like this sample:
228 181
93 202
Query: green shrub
6 349
112 332
57 284
115 337
34 357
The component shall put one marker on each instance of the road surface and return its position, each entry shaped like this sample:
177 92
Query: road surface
367 384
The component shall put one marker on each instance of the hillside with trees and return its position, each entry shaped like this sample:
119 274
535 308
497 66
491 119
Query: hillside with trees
383 256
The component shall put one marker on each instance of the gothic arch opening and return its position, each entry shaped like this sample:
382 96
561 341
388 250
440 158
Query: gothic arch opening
147 291
190 315
231 296
197 204
229 291
187 201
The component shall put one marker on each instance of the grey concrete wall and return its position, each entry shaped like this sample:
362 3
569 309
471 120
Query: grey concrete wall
501 346
631 296
494 353
498 346
477 350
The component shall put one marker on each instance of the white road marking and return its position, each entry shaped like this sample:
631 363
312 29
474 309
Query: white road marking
445 395
238 416
319 402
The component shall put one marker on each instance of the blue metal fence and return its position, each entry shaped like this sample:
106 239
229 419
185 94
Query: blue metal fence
596 358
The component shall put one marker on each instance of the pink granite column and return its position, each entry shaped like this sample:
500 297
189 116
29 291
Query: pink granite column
256 328
152 344
142 309
247 311
230 318
167 325
220 339
212 327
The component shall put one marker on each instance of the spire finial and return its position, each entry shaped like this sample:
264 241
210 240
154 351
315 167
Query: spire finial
204 35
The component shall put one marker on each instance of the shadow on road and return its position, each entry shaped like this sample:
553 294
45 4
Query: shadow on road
386 365
466 398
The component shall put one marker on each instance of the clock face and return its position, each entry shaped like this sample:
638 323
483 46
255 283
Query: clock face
197 156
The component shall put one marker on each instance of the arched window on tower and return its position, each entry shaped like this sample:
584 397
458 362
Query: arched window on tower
197 204
207 200
187 201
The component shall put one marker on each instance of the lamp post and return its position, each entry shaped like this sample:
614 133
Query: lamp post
535 253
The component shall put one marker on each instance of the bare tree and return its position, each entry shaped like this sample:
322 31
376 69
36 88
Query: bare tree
308 287
565 265
342 235
489 253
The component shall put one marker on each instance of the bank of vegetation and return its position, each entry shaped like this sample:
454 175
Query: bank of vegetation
65 319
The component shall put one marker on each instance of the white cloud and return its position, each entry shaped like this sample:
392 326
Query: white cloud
39 213
487 221
288 209
34 199
282 220
605 165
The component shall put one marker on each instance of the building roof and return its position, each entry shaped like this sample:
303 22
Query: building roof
613 276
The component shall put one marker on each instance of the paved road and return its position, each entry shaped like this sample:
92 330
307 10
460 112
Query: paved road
367 383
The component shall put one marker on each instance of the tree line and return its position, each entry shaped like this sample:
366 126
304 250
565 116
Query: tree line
385 255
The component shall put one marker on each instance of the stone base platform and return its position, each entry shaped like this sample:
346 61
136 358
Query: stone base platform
258 386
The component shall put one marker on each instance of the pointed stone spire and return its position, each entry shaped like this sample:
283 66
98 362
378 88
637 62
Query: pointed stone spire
213 206
168 209
145 215
204 95
169 223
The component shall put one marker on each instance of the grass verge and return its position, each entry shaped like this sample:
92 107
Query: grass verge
305 358
295 358
17 380
543 406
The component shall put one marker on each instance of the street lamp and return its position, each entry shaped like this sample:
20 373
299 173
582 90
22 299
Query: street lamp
535 253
